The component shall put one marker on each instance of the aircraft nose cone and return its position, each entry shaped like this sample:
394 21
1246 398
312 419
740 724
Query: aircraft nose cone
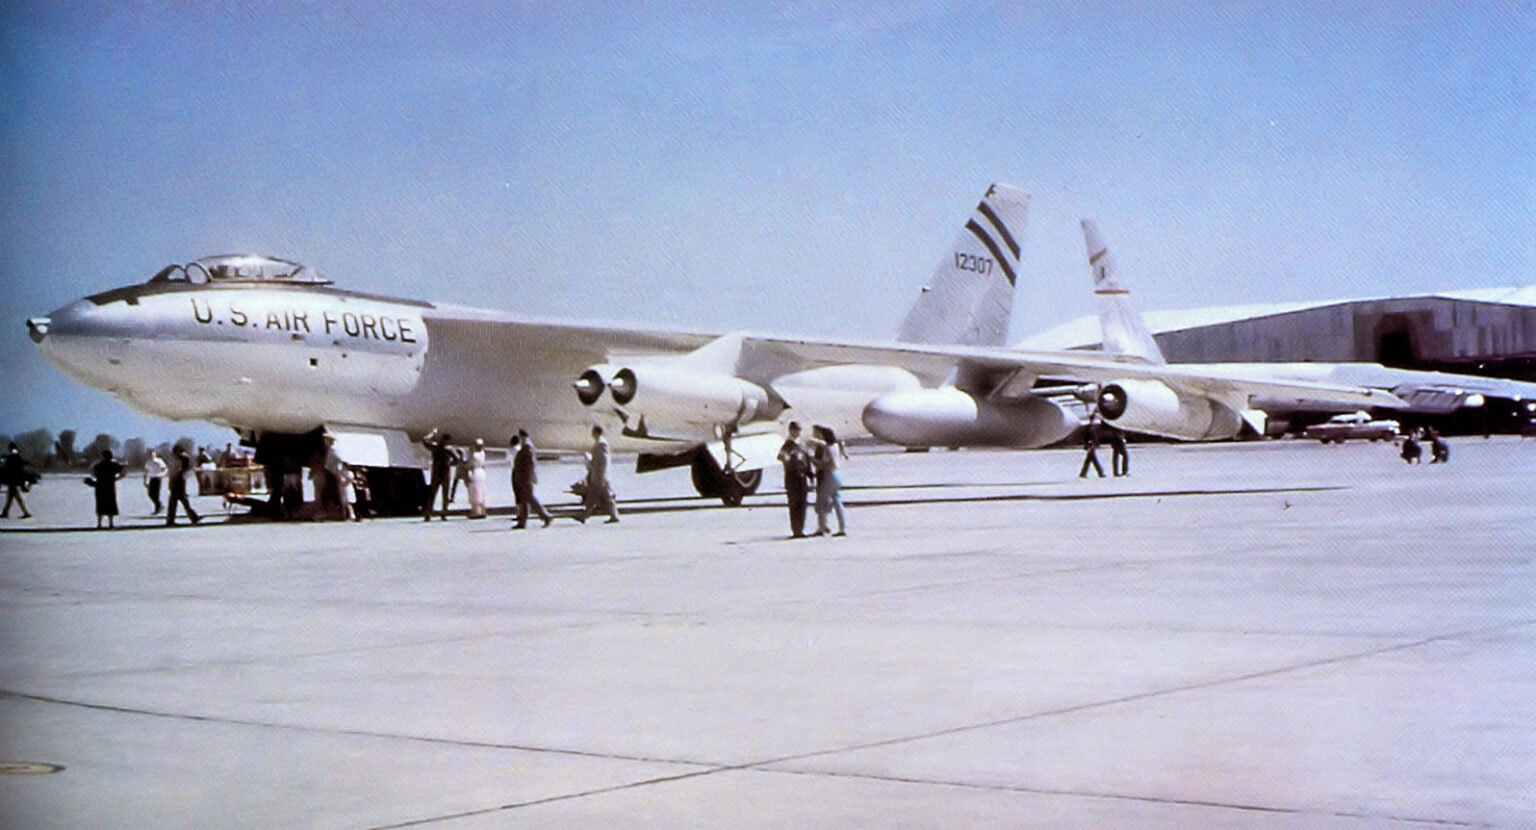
77 340
37 328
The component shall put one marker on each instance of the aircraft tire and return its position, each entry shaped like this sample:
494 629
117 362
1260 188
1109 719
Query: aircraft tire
747 481
710 481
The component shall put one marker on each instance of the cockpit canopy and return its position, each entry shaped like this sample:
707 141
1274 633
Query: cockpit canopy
240 268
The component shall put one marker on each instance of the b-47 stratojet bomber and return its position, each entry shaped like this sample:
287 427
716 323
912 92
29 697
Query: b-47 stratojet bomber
274 350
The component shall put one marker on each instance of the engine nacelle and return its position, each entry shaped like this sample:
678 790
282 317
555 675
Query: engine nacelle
949 417
1152 407
673 400
591 384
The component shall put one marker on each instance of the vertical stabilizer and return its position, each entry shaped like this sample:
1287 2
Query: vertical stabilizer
969 299
1123 331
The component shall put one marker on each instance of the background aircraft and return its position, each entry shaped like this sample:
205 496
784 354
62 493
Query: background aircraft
1423 394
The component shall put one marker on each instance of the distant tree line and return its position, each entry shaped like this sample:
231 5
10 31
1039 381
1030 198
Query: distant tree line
63 453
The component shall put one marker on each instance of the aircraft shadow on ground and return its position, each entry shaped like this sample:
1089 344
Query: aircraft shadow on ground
649 506
685 504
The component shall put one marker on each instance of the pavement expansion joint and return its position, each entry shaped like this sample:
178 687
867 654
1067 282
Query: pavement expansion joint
356 733
777 765
1154 693
1148 799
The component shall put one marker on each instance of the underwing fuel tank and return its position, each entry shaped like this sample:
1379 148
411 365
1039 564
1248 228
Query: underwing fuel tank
949 417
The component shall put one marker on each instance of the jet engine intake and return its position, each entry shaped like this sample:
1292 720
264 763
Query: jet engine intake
1154 408
675 400
591 383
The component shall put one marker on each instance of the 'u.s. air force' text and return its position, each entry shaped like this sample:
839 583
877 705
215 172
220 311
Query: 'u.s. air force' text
364 326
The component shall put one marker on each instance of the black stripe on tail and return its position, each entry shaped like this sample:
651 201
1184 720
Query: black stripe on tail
1001 228
991 246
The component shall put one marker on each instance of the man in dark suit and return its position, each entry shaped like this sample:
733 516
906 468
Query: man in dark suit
444 457
1091 439
1120 456
797 471
181 467
524 476
16 477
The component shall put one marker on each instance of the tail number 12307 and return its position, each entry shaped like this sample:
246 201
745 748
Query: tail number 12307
978 264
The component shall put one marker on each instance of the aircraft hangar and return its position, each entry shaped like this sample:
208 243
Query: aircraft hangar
1489 331
1486 331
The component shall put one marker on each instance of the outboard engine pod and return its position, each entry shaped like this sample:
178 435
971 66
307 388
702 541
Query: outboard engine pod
1113 401
1154 408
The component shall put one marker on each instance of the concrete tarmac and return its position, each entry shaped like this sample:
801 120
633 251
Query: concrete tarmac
1276 634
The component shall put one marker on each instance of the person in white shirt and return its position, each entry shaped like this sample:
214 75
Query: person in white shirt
599 491
155 472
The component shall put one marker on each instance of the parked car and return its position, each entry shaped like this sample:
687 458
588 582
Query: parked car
1341 428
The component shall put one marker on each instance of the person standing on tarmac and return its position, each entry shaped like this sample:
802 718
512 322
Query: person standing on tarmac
206 472
181 468
346 496
524 476
599 489
797 469
1091 448
443 459
460 476
1120 457
825 449
17 478
1439 450
104 476
337 483
155 472
476 484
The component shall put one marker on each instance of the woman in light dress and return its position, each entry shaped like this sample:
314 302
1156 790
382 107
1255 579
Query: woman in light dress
477 480
826 454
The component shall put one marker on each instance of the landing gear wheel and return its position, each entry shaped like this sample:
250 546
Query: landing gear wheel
712 482
730 494
740 484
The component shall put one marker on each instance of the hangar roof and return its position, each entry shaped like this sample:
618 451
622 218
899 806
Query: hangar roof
1084 331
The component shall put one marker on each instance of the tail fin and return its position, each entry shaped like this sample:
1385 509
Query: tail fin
969 299
1123 330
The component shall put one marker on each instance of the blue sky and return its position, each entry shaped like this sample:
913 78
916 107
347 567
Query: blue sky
794 167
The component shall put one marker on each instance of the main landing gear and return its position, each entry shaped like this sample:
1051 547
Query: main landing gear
711 481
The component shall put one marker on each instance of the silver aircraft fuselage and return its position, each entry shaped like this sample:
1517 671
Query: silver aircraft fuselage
269 346
266 357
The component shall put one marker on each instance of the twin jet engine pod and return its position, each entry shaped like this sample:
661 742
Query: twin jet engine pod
1154 408
667 395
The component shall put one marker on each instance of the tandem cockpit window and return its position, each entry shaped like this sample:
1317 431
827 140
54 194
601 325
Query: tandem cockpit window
240 268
